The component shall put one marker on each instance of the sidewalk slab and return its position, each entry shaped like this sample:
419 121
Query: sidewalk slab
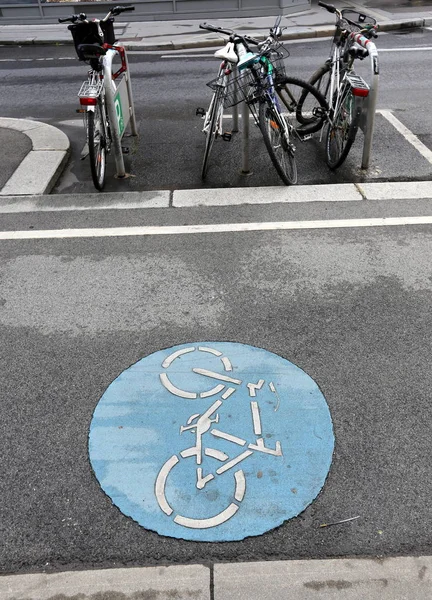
92 201
161 583
40 169
36 173
181 34
351 579
266 195
396 190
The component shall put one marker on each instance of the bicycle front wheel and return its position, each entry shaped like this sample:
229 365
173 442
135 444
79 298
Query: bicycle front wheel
342 129
305 102
280 149
97 146
212 131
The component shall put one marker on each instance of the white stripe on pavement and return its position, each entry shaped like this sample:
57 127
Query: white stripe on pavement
408 134
212 228
401 49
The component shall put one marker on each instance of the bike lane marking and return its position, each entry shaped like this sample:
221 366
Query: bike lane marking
190 462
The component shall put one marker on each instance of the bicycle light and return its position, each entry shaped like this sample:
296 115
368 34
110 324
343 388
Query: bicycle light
88 101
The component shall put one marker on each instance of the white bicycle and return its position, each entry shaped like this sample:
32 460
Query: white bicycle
202 425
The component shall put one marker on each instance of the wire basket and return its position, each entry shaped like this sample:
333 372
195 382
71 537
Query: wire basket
277 59
244 87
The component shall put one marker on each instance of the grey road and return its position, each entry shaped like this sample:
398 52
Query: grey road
351 307
167 90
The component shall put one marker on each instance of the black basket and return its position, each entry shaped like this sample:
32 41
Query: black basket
358 18
88 33
108 31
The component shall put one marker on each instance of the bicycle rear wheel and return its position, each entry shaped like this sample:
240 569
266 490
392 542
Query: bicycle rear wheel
280 149
342 130
97 146
212 132
305 102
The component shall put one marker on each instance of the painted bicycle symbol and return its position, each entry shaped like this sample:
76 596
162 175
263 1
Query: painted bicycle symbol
202 426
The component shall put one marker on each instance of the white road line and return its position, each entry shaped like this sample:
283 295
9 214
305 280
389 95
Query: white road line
405 49
38 59
210 55
48 234
408 134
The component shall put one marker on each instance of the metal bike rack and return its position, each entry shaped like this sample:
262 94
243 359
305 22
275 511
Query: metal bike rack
245 168
119 102
367 121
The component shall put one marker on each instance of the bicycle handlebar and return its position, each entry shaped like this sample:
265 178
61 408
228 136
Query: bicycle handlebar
247 38
329 7
83 17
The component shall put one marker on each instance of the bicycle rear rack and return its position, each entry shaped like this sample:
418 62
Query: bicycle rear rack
358 85
90 90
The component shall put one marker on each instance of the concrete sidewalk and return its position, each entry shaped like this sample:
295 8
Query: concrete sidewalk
401 578
164 35
32 156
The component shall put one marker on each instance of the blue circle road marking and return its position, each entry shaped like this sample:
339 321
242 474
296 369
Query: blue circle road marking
212 441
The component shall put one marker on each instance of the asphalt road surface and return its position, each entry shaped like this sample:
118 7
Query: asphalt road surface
42 83
351 307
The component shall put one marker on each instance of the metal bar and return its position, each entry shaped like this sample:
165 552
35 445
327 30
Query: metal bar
133 125
371 106
369 121
235 114
109 98
245 139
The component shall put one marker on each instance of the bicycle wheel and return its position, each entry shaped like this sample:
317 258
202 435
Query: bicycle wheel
97 146
342 129
280 149
320 80
211 134
301 98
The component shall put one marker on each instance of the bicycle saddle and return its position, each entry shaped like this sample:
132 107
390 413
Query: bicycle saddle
227 53
91 50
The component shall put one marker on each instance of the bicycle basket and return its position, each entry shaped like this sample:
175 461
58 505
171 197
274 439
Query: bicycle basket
108 31
85 33
277 59
245 87
359 18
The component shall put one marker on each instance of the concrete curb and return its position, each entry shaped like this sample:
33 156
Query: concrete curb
40 169
384 578
222 197
296 33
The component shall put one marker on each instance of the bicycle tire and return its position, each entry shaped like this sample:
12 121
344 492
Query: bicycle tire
320 80
280 149
97 146
212 132
342 130
297 95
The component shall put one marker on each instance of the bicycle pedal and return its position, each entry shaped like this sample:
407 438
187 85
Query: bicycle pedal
308 136
200 112
319 112
226 136
125 150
